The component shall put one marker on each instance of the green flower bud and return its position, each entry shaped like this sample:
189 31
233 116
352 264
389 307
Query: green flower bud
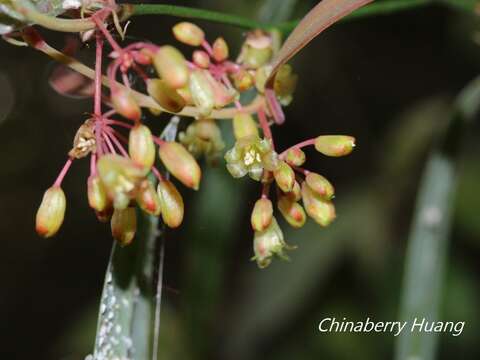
292 212
141 146
243 80
285 84
124 103
202 93
171 66
97 196
167 97
121 177
188 33
335 145
244 126
220 49
269 243
320 210
203 138
285 177
181 164
171 204
257 50
201 58
124 225
295 156
147 198
261 76
262 214
51 212
321 186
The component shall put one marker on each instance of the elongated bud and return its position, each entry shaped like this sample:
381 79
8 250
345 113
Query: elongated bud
181 164
141 146
188 33
284 176
166 96
147 198
171 204
335 145
262 214
124 225
121 177
171 66
220 49
321 186
292 212
97 196
244 125
124 104
295 156
201 58
202 92
51 212
320 210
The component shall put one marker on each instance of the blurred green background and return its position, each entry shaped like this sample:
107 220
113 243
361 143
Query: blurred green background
389 81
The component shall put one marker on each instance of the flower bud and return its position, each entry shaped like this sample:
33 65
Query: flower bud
167 97
295 194
284 176
181 164
261 76
269 243
171 66
201 58
188 33
171 204
51 212
322 211
220 49
141 146
120 177
292 212
97 196
244 125
262 214
285 84
295 156
124 104
257 50
147 198
124 225
321 186
202 92
335 145
242 80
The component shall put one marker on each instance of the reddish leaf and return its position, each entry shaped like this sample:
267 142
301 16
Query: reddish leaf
323 15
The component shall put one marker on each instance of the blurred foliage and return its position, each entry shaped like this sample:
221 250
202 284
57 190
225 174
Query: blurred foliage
388 81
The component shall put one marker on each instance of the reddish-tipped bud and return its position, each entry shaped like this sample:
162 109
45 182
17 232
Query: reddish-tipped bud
124 225
335 145
141 146
124 103
262 214
220 49
320 210
295 194
292 212
244 125
321 186
181 164
284 176
171 204
201 59
171 66
97 196
202 92
188 33
147 198
243 80
166 96
51 212
295 156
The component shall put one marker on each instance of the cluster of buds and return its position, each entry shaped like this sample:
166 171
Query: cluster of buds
123 163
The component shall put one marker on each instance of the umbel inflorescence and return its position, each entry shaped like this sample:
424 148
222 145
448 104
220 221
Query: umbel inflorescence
207 86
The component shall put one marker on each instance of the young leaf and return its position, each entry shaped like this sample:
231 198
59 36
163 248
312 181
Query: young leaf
323 15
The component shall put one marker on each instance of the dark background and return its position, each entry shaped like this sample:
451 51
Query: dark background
389 81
